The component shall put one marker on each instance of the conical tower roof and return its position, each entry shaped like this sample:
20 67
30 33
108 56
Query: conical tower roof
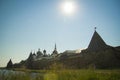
10 64
55 51
96 43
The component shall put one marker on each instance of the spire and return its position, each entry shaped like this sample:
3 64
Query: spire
95 28
96 43
55 47
9 64
31 52
55 53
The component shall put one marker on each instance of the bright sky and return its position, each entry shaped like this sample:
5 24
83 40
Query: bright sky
27 25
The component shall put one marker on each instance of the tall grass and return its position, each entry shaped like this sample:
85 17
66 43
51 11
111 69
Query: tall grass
63 75
88 75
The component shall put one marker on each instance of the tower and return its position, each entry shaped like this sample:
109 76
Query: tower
39 53
55 47
96 43
10 64
44 53
55 52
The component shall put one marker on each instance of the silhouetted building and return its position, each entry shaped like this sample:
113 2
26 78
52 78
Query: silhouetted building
39 53
55 52
9 64
97 55
30 60
97 43
44 53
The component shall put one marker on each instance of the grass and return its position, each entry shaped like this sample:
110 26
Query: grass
62 75
89 75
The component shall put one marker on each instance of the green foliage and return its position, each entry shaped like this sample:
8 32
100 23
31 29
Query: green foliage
57 66
50 76
64 75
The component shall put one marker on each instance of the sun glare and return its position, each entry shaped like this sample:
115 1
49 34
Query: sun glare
68 7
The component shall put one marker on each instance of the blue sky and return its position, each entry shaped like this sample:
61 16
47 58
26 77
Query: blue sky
27 25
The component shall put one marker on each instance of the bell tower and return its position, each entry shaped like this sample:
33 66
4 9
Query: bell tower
55 52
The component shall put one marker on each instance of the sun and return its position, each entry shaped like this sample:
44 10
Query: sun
68 7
